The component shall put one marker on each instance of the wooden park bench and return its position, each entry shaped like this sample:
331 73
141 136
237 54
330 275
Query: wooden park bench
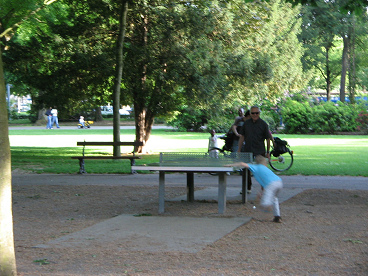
130 156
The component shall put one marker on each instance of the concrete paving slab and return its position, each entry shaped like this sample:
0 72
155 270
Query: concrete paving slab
151 234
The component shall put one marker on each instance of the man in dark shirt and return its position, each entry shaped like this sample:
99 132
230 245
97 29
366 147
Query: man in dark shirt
254 132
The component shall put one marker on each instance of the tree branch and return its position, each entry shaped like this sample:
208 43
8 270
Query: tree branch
16 25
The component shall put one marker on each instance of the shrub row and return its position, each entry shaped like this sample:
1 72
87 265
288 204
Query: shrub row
325 117
298 115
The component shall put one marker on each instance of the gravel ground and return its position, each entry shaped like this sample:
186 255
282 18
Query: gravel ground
324 232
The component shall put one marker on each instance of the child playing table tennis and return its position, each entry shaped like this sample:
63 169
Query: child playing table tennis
270 182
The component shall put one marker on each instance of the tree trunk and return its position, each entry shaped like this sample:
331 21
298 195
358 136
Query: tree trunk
7 254
148 124
119 73
344 67
328 75
352 72
140 121
139 106
98 115
143 127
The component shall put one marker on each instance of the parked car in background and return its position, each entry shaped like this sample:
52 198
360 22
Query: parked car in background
108 110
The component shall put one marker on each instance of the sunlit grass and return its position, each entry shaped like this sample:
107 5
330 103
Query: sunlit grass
46 151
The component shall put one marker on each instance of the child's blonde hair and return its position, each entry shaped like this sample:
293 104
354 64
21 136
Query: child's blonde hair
261 160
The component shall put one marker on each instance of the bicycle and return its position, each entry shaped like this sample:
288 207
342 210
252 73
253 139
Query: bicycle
281 156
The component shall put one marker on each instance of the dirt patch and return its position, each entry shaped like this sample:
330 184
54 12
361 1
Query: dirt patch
323 232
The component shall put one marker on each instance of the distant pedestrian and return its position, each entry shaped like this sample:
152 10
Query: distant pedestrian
49 118
55 119
270 182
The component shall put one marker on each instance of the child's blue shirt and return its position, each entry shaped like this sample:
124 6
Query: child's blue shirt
263 174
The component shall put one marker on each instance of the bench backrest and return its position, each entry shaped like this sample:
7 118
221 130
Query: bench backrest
135 143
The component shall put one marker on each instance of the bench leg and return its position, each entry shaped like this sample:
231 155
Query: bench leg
132 163
81 166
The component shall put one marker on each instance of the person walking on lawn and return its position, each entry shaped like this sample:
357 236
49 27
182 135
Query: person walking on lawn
55 119
49 118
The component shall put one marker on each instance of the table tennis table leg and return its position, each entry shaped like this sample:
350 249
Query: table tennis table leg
244 185
190 186
222 193
161 193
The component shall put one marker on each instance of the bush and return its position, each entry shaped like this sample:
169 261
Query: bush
362 121
270 121
14 115
331 118
188 119
296 117
219 126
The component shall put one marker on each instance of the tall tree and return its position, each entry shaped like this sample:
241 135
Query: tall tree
211 55
12 14
319 30
118 73
7 254
327 26
78 44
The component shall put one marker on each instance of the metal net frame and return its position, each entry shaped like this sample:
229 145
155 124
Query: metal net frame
197 159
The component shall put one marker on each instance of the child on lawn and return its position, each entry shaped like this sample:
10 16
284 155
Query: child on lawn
270 182
213 146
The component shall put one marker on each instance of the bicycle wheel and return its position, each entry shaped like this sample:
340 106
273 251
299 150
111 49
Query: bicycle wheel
282 162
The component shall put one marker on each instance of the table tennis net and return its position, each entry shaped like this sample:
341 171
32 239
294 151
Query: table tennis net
196 159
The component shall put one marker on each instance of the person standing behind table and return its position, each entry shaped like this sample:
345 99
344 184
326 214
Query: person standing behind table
254 133
49 118
236 127
55 119
270 182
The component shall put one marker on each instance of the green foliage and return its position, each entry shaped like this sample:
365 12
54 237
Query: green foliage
76 56
331 118
270 113
348 6
304 116
362 121
221 119
14 115
220 126
296 117
188 119
270 121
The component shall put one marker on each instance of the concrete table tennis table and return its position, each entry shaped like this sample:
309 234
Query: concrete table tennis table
190 169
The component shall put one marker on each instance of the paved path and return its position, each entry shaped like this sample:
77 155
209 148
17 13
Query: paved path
75 127
294 181
160 233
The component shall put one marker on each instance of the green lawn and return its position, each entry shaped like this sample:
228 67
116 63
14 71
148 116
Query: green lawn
46 151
